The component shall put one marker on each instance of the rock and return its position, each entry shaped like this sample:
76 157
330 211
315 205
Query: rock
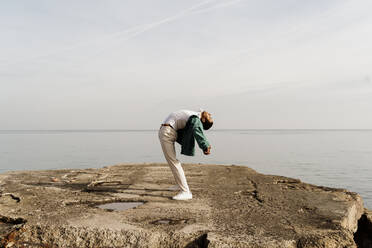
233 206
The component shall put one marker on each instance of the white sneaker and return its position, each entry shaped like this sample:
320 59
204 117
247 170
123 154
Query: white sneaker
183 195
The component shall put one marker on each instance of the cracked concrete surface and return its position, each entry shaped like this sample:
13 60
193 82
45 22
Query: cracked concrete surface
233 206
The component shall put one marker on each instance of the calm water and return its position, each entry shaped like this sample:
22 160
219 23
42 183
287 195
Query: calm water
336 158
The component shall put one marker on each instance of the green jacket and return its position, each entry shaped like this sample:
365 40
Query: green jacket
186 136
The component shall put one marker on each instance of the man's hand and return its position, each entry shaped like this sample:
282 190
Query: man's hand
207 151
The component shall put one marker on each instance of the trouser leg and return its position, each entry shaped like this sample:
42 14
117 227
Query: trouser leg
167 137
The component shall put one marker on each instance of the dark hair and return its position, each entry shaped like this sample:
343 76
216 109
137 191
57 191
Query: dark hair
207 124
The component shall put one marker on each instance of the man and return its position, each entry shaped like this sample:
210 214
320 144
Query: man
184 126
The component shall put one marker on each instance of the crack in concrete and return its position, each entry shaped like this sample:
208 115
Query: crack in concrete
169 221
255 193
14 197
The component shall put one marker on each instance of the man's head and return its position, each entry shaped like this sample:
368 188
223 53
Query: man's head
206 119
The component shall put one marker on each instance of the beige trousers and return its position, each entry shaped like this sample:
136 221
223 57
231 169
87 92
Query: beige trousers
168 137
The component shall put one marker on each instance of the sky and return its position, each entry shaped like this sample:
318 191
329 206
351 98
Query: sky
118 64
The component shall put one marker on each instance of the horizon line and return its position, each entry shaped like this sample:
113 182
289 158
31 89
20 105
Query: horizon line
221 129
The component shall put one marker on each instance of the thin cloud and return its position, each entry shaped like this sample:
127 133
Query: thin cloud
218 6
132 32
201 7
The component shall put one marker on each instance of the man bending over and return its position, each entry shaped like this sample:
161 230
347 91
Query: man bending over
184 127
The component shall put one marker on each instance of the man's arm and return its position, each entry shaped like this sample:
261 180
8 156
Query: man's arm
201 139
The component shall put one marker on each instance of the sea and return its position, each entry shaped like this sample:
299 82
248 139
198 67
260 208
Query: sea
333 158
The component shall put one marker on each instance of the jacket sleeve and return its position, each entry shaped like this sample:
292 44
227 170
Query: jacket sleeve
199 136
